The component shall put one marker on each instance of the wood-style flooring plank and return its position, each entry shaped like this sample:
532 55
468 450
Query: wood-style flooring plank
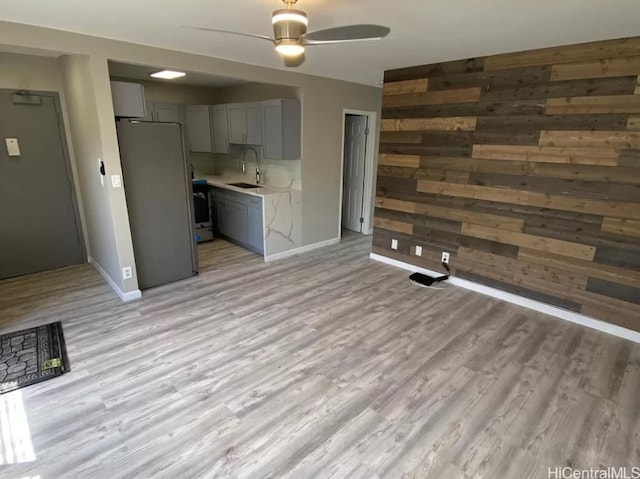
322 365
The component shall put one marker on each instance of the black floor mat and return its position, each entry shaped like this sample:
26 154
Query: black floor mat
32 355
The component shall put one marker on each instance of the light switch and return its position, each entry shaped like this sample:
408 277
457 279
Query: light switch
115 181
13 147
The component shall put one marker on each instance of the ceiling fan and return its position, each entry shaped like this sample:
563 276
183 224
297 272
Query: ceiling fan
290 35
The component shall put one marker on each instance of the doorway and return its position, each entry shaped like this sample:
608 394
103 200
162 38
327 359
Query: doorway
38 210
357 171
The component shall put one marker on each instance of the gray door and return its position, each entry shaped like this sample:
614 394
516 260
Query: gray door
160 201
355 142
39 228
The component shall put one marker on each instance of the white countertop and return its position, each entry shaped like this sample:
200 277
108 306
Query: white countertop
222 182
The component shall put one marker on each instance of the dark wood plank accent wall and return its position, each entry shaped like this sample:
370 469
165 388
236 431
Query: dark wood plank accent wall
526 168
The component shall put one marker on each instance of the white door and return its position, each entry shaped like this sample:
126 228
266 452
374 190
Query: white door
355 141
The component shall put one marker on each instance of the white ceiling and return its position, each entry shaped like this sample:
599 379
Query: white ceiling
422 31
140 72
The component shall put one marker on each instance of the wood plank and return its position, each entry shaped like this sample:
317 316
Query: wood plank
423 124
449 176
580 156
399 226
619 316
502 195
519 123
590 105
610 67
486 108
637 91
395 205
550 185
560 247
435 70
407 86
582 205
494 221
599 174
587 268
521 197
522 268
411 137
464 95
633 123
591 139
621 226
407 161
625 47
619 258
610 289
526 287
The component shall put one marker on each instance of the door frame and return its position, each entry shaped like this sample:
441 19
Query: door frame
369 169
67 159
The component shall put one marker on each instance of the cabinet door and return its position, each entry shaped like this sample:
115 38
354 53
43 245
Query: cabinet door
255 234
128 99
223 216
220 128
272 122
237 123
254 124
238 222
168 112
198 128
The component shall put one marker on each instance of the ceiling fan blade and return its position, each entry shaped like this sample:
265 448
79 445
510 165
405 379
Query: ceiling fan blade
218 30
293 62
347 33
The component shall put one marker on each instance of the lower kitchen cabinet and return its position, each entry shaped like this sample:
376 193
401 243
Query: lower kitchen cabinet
239 218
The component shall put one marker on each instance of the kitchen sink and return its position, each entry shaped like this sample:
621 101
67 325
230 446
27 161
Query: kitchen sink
243 185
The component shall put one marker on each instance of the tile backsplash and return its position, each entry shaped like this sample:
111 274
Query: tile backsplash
280 173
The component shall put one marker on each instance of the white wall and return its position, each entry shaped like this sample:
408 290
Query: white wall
323 101
92 124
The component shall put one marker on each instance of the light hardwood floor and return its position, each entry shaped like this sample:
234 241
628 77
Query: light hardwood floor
325 365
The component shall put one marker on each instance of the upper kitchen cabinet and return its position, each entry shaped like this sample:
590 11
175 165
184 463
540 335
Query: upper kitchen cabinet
245 123
164 112
282 127
128 99
220 128
198 123
168 113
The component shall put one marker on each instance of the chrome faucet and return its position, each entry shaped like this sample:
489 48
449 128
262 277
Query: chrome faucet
244 167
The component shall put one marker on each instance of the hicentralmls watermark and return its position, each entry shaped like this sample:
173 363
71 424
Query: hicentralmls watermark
606 473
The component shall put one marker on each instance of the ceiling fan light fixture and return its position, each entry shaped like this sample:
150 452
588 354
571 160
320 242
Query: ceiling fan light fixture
289 15
290 48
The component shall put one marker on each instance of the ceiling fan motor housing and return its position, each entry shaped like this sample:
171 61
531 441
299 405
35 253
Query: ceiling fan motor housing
289 24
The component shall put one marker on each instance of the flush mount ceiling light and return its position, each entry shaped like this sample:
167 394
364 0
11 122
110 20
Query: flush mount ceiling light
290 35
168 75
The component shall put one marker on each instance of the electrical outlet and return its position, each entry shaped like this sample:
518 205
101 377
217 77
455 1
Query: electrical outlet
115 181
127 273
418 250
445 257
394 244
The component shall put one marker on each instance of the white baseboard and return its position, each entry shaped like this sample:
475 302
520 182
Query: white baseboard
301 249
130 296
539 306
